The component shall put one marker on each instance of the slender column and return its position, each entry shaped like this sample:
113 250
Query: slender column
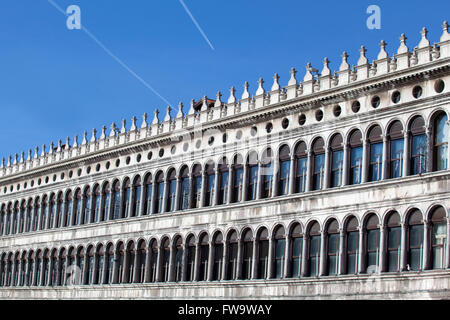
276 172
190 191
115 270
254 259
39 217
244 183
47 217
171 276
158 266
210 261
362 250
384 170
93 275
121 203
224 260
136 268
259 181
365 161
152 209
269 274
216 185
33 279
345 171
125 270
165 194
292 175
196 261
382 252
202 189
403 251
326 178
323 253
308 172
305 259
143 199
341 256
406 153
239 260
147 264
178 194
19 271
184 264
287 257
429 156
230 183
426 245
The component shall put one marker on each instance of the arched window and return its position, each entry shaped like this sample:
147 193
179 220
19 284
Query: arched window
136 198
196 186
86 209
37 213
3 271
89 266
80 261
337 161
54 268
218 256
44 213
247 261
356 156
395 136
172 189
62 267
332 248
376 153
313 250
159 196
3 221
418 146
29 215
109 256
352 246
232 256
415 241
440 139
120 262
99 277
280 249
318 164
204 256
52 212
23 210
190 258
129 266
68 209
184 197
141 260
115 201
284 171
178 247
295 251
153 260
238 179
165 262
15 218
126 201
263 254
148 194
393 242
9 270
252 176
223 182
78 207
438 238
71 262
30 268
8 219
210 181
96 204
36 281
267 174
301 159
59 211
16 270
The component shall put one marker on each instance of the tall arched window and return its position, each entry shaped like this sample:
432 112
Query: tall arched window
337 161
301 166
159 196
100 272
178 247
223 182
396 157
80 261
23 212
115 201
37 213
393 242
295 251
204 257
120 262
16 272
284 170
376 153
62 267
9 219
52 211
15 218
165 262
68 209
129 267
9 274
438 238
78 206
59 211
109 256
238 179
29 216
184 196
232 256
86 206
96 204
313 250
247 258
3 221
218 256
89 266
126 201
148 194
31 268
263 253
318 164
356 156
3 271
136 197
44 213
332 248
190 258
252 176
37 278
267 167
418 146
440 142
71 263
279 239
414 240
351 246
210 181
172 189
141 261
54 268
153 260
197 186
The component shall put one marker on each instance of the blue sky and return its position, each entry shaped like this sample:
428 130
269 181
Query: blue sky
56 82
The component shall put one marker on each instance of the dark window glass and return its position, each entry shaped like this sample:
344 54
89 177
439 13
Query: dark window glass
252 182
396 165
238 184
280 245
418 154
223 194
210 189
247 260
376 161
352 252
285 167
297 244
184 193
333 253
301 175
356 165
394 235
318 173
314 256
263 259
441 143
439 245
415 246
337 165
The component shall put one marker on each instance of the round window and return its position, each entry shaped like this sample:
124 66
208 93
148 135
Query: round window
337 111
396 97
439 86
356 106
319 115
417 92
301 119
375 102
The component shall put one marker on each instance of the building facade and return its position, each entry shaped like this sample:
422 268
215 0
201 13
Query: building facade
333 187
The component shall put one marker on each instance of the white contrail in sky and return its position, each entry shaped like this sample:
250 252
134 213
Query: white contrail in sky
196 23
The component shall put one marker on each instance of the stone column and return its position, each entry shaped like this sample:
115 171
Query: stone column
230 183
406 153
239 260
305 257
125 271
19 271
143 199
224 260
269 273
259 182
362 250
202 189
178 194
158 265
323 254
93 275
172 266
403 249
147 265
287 257
426 245
342 263
382 251
115 270
165 195
429 155
276 172
345 167
190 191
216 186
308 172
385 163
365 161
196 261
255 261
210 261
326 177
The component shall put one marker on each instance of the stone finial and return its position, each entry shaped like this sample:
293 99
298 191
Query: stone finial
424 42
59 148
245 94
29 155
167 117
445 35
373 68
232 98
435 52
43 150
362 57
204 106
144 120
124 128
10 161
113 128
75 142
218 102
276 85
308 76
393 63
67 143
402 48
133 123
16 158
155 118
22 157
84 142
52 148
293 79
383 54
36 152
326 67
414 59
3 162
94 133
103 135
260 89
344 65
180 113
191 108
